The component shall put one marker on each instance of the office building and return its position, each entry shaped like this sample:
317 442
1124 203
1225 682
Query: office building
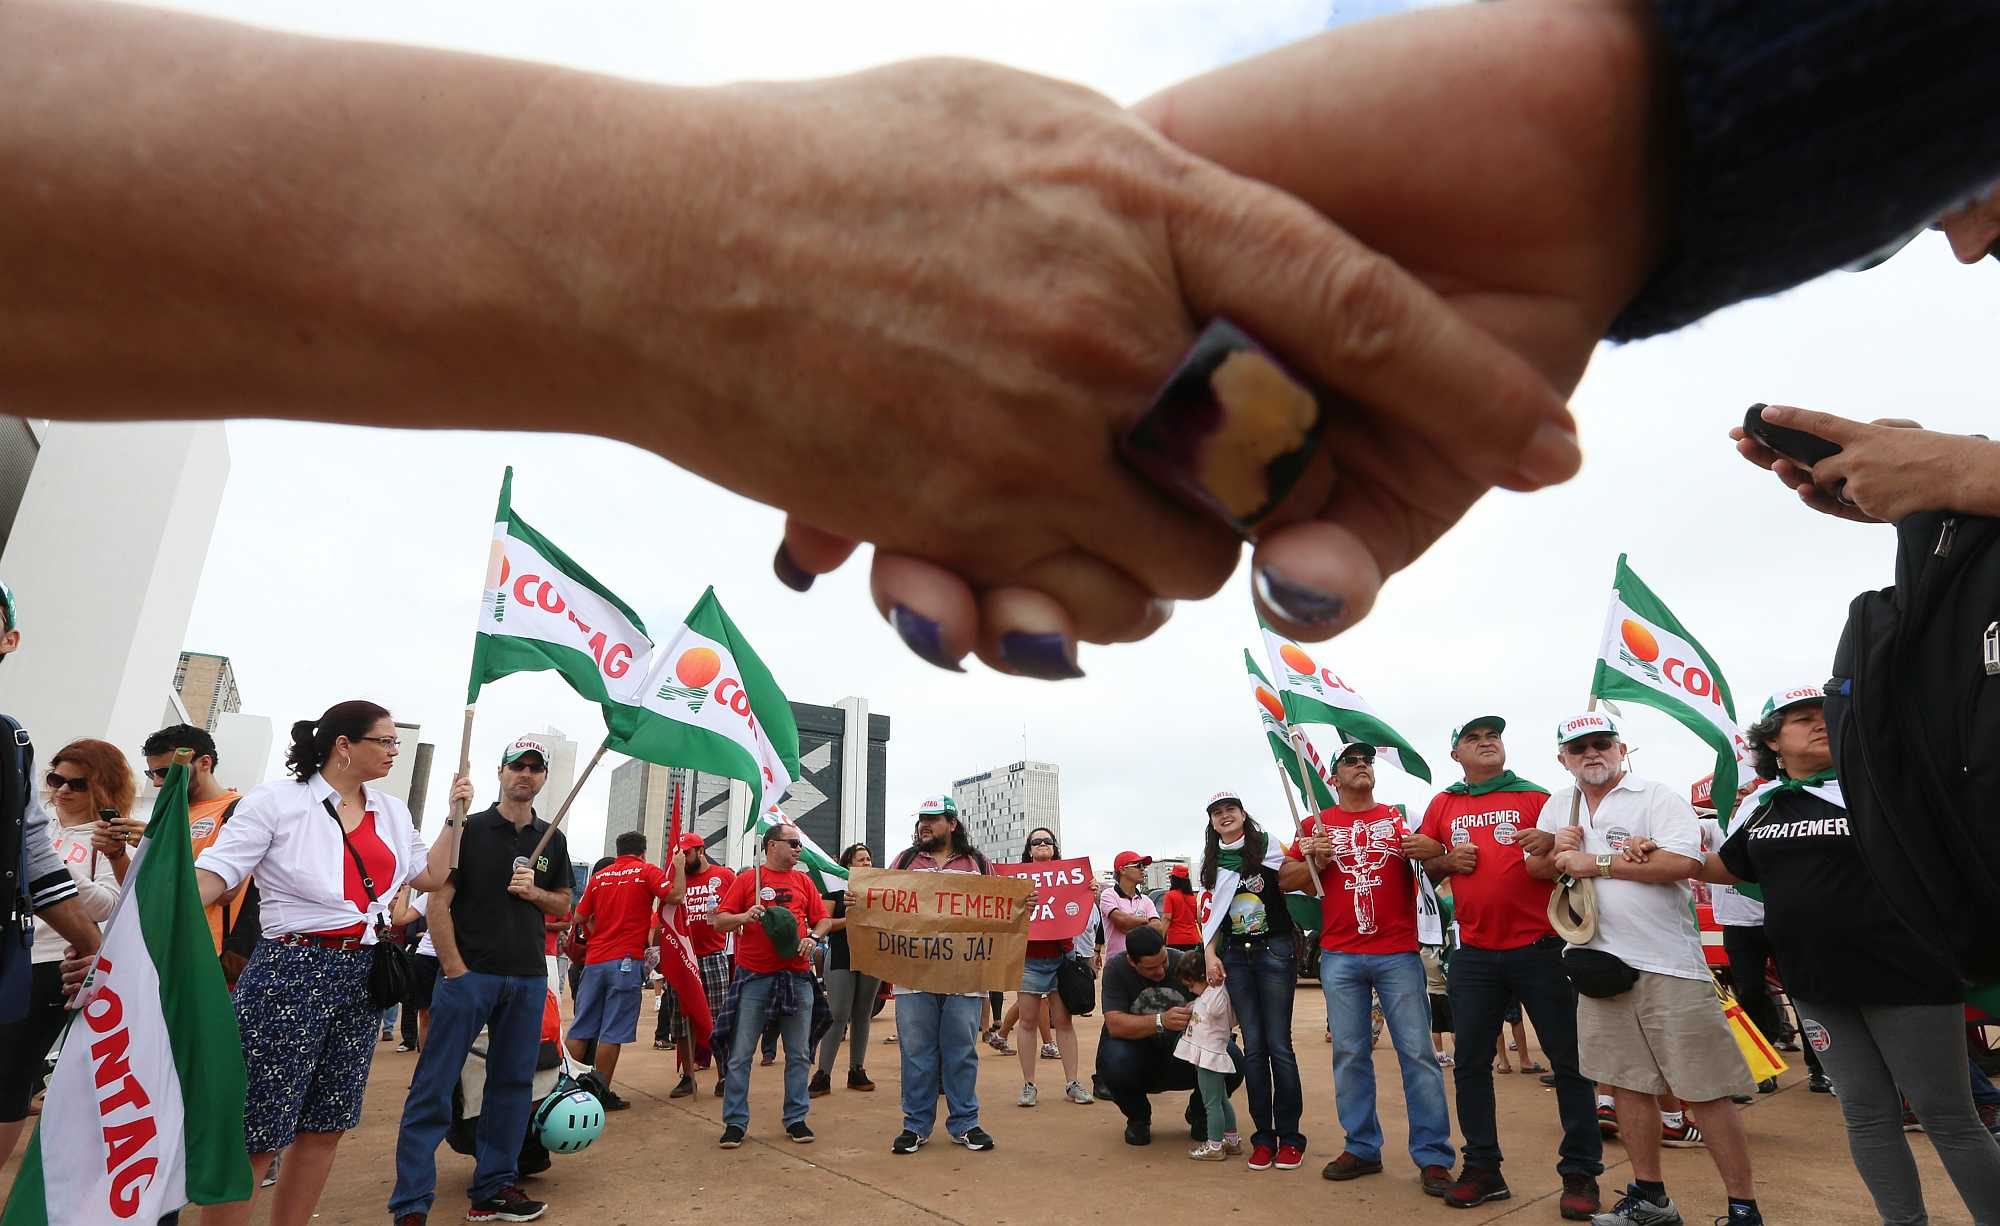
1000 806
562 771
1159 870
637 801
207 686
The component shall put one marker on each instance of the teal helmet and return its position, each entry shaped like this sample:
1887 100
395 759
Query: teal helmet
569 1119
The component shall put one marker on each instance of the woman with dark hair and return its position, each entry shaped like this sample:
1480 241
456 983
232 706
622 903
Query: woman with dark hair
850 994
329 852
1181 912
1252 948
85 778
1038 995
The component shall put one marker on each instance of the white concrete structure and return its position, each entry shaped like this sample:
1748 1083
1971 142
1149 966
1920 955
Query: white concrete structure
402 776
104 557
562 771
1002 805
243 746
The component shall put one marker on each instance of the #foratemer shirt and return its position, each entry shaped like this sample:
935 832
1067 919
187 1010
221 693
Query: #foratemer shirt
1648 925
1498 905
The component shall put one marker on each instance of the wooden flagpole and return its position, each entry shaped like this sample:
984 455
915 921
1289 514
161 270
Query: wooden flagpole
458 809
1294 736
562 812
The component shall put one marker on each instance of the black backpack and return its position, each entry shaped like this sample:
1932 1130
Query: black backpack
1913 716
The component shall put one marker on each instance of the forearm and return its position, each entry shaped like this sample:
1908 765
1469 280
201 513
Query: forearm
1131 1025
1661 868
443 931
1124 921
1715 872
1437 870
1541 868
1293 876
70 919
727 921
820 929
1976 487
212 220
550 902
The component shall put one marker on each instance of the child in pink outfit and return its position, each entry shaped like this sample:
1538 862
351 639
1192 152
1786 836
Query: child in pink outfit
1205 1044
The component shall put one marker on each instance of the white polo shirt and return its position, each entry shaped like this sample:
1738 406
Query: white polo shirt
1650 926
281 832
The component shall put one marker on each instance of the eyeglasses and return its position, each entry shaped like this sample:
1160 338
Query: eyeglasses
533 768
1041 842
1602 744
57 783
386 742
789 842
1356 761
158 774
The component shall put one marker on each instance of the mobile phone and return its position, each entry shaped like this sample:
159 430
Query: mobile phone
112 815
1795 445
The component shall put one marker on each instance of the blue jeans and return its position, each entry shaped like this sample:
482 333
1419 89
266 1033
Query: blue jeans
509 1007
753 1009
937 1037
1398 979
1263 979
1483 981
1983 1093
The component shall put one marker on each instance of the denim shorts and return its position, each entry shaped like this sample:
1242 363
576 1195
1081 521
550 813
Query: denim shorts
1038 975
607 1002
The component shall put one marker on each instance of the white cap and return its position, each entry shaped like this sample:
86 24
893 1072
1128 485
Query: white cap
526 744
1587 724
1793 697
1221 796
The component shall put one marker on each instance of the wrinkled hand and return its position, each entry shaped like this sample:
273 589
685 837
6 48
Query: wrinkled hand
1316 847
522 883
1569 838
1462 858
1535 842
1638 851
1886 469
1011 516
75 969
1578 864
755 913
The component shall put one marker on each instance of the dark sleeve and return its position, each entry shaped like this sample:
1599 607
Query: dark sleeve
1735 855
1811 133
557 875
1117 993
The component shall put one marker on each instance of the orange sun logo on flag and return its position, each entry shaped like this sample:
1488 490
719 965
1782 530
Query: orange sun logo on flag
1298 661
1640 641
697 667
1270 703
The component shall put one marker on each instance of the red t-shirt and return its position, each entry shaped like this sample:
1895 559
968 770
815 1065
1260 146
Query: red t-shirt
1497 904
381 863
794 891
704 891
619 900
1183 922
1370 900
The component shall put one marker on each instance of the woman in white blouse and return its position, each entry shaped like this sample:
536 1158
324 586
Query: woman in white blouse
84 779
329 853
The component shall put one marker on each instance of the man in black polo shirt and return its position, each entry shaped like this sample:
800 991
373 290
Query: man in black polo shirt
491 976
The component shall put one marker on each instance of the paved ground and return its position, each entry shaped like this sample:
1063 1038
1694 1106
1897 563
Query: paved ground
1067 1163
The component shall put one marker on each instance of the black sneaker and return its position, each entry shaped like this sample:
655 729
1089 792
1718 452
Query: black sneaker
799 1133
611 1100
682 1088
1138 1134
906 1142
732 1136
1819 1083
1768 1086
973 1138
506 1205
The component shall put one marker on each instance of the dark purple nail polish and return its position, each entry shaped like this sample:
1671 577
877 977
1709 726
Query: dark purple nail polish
1296 602
1044 656
1232 430
923 636
790 573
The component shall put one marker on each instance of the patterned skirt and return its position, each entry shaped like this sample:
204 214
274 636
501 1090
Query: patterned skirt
309 1036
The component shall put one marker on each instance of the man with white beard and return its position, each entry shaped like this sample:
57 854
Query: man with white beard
1646 1017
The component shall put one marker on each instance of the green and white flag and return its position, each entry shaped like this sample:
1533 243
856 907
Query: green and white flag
1313 694
542 611
708 702
1647 656
1277 731
145 1111
813 860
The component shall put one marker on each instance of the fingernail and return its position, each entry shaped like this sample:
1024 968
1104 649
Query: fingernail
1046 656
790 573
1552 455
923 636
1296 602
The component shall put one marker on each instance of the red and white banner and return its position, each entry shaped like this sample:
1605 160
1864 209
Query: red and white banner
1067 896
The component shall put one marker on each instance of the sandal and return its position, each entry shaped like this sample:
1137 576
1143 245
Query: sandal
1533 1066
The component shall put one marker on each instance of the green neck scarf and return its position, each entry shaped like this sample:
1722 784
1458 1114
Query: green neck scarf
1505 781
1231 860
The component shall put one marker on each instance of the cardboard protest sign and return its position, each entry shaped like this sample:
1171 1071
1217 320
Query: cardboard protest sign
938 932
1067 896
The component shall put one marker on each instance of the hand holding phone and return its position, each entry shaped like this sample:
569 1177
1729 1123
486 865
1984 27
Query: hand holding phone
1795 445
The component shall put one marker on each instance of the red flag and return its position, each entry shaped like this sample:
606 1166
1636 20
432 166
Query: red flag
678 964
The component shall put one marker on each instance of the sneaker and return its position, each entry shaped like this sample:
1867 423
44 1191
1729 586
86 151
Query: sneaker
857 1079
682 1088
509 1204
1074 1091
404 1047
767 1061
1051 1052
1027 1098
1137 1133
1547 1079
1097 1090
1436 1179
1633 1209
1289 1157
611 1100
1607 1120
799 1133
1260 1158
1580 1200
1768 1086
1820 1083
718 1087
1687 1136
1476 1186
906 1142
998 1042
1208 1151
732 1136
1232 1145
820 1086
1347 1167
974 1139
1444 1059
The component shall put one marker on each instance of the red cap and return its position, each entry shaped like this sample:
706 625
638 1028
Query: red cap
1129 857
1178 870
689 841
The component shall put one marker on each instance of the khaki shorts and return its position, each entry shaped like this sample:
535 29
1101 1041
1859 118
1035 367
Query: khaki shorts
1665 1035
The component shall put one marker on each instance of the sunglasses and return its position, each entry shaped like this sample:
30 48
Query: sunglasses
1041 842
1602 744
789 842
533 768
56 783
1357 761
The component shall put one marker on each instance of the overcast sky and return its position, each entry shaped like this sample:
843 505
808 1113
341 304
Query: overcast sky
1503 616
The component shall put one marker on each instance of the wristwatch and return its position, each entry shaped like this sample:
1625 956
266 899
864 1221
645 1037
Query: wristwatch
1604 866
1159 1023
